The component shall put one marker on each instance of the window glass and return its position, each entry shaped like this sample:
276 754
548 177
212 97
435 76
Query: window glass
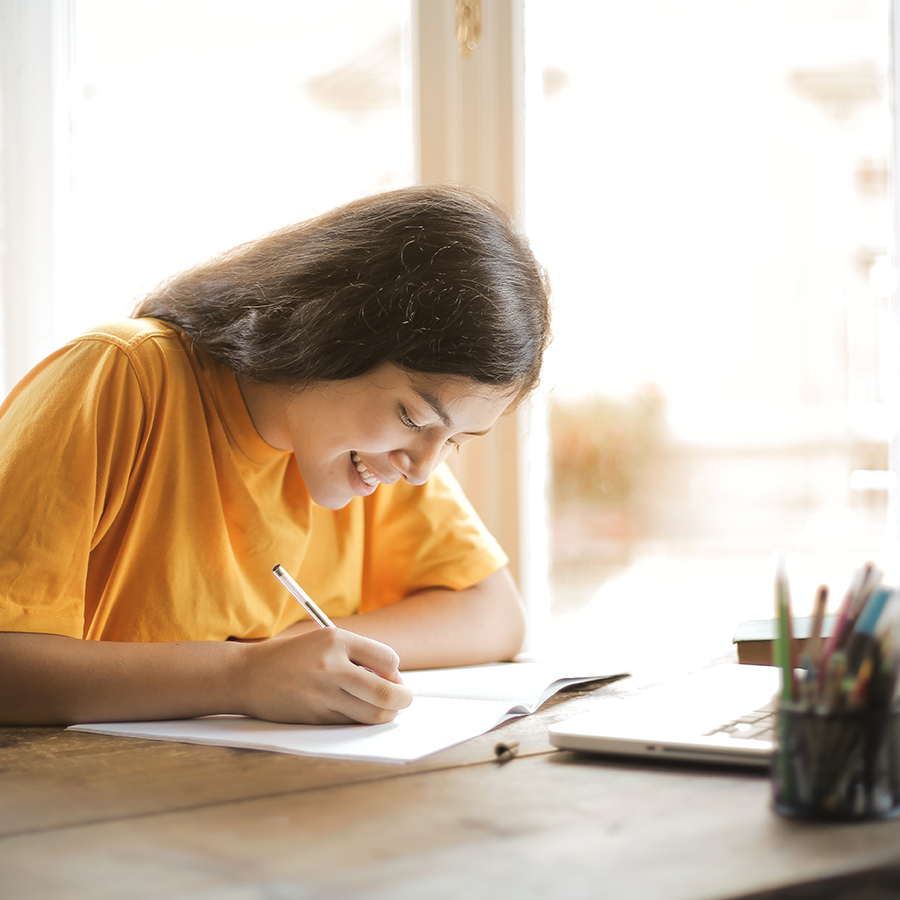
709 186
198 124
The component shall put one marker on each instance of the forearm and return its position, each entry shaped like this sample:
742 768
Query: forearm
50 679
330 677
441 627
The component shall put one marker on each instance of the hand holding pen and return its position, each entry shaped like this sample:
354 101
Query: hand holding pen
328 676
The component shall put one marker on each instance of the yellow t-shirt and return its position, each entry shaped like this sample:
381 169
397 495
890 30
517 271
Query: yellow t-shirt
138 503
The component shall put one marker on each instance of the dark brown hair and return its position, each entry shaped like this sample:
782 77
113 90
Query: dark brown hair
433 279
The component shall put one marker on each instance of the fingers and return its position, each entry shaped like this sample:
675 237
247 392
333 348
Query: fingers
372 687
329 676
372 655
381 694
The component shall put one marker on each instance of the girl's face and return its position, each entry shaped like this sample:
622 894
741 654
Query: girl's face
350 436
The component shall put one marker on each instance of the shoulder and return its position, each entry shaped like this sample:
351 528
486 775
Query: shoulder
148 349
132 336
133 355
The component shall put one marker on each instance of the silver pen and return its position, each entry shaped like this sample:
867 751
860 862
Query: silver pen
304 599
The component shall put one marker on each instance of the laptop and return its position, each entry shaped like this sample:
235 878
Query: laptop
724 715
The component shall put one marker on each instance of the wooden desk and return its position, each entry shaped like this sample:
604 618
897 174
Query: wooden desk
95 817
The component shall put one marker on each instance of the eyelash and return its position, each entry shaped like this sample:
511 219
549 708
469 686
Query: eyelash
408 422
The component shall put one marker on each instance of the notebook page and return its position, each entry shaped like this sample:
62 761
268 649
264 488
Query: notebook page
523 686
428 725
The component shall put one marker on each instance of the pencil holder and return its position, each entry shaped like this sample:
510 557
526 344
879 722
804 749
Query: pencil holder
838 765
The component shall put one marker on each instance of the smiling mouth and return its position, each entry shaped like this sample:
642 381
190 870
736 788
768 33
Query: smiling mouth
364 473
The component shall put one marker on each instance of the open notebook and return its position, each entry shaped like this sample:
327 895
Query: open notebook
449 706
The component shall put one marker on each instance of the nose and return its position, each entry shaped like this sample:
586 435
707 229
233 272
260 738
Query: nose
416 464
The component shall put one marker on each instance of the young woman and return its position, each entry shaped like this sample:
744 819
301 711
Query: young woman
290 402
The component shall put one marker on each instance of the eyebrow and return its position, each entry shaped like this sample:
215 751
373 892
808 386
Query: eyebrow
442 413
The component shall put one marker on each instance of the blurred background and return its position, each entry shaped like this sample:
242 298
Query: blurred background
708 184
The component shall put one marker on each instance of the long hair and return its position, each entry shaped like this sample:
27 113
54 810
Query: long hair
432 279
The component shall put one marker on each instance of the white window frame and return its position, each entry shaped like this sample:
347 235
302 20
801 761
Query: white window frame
471 126
35 56
894 485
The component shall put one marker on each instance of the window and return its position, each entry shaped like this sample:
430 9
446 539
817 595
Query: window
708 184
201 124
173 130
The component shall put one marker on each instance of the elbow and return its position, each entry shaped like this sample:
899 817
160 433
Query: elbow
511 621
516 629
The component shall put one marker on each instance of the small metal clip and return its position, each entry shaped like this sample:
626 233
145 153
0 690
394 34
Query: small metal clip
506 751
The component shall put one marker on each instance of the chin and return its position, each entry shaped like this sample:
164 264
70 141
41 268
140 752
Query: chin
334 503
332 499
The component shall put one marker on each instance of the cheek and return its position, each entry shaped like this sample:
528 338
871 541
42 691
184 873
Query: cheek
446 450
382 435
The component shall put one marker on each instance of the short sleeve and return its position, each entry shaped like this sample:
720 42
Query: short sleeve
68 433
424 536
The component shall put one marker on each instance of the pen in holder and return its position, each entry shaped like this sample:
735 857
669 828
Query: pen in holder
840 765
837 752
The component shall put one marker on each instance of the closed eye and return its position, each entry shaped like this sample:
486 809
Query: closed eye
407 421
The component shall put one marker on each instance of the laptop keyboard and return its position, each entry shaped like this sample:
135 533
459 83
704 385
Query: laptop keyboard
758 725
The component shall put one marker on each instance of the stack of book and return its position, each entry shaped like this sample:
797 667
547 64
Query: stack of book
755 639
